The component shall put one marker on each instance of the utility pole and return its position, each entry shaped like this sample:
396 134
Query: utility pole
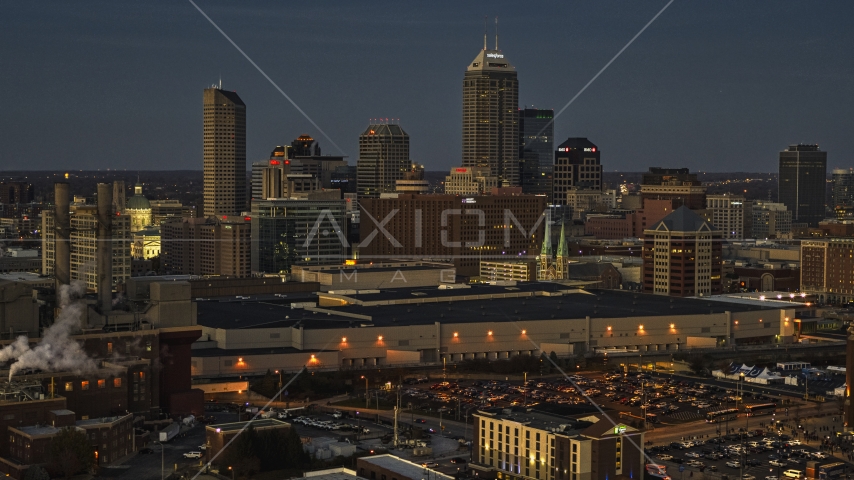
396 412
525 388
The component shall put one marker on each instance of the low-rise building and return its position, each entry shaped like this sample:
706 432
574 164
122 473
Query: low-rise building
390 467
517 444
217 436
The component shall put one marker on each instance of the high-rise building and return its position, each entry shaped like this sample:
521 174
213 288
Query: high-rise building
287 232
768 220
224 153
501 227
304 146
843 189
119 196
727 213
803 182
383 159
84 245
682 256
576 165
536 150
673 184
16 192
470 181
491 115
206 246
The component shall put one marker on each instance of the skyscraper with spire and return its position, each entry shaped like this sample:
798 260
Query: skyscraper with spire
491 114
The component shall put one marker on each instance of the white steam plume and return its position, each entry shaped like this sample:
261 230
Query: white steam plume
56 351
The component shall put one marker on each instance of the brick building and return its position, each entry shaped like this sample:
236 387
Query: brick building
604 274
630 224
827 269
206 246
682 256
449 228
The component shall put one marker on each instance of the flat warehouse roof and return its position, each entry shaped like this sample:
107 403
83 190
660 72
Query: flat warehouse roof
593 303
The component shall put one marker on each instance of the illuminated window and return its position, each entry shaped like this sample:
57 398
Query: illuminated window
141 376
102 383
69 386
117 382
84 385
109 347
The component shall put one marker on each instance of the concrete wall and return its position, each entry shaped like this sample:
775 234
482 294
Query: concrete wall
356 347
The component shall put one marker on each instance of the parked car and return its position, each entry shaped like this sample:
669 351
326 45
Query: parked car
458 460
193 455
733 464
429 464
792 473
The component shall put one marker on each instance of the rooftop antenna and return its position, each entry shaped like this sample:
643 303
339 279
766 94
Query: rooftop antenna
496 32
220 76
485 18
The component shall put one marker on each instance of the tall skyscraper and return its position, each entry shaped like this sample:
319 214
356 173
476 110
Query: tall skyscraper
802 182
576 165
491 115
843 189
536 150
224 152
383 159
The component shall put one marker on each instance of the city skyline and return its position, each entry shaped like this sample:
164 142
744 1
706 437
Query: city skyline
696 78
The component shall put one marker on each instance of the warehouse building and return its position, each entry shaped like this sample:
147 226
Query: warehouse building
451 323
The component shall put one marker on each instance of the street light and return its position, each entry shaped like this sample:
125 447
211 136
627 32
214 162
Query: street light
366 391
232 473
280 385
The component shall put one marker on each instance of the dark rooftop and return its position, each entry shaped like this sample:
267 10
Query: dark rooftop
465 309
235 352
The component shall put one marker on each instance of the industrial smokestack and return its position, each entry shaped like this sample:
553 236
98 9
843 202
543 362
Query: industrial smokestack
62 234
105 247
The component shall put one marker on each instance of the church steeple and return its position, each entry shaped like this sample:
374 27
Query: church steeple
562 249
562 255
546 249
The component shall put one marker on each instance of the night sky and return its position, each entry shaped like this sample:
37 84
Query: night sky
714 86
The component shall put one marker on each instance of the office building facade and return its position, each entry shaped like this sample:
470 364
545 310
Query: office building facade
224 153
462 231
576 165
727 213
674 184
383 159
206 246
288 232
536 150
682 256
768 220
470 181
843 190
84 241
491 116
803 182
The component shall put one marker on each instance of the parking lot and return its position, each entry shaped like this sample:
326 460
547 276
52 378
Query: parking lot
757 455
659 399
